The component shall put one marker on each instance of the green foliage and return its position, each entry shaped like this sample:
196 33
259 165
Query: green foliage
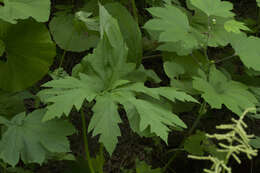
174 28
246 48
235 26
12 103
106 81
143 167
130 31
220 90
258 3
29 53
193 144
71 34
23 9
214 8
68 92
29 138
105 120
140 62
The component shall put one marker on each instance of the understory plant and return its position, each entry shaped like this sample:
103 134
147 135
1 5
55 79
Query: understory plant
141 65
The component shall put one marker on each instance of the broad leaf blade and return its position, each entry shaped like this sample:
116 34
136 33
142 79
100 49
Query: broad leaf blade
130 30
70 37
247 49
23 9
31 139
214 7
29 53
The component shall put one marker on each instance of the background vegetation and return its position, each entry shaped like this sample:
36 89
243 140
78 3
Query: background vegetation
147 86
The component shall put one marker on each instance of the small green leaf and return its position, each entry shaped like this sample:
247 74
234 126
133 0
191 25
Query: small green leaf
23 9
235 26
28 138
70 37
193 144
214 7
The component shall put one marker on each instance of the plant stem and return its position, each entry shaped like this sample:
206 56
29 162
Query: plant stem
101 153
85 138
152 56
3 165
226 58
135 11
201 112
195 124
62 58
207 41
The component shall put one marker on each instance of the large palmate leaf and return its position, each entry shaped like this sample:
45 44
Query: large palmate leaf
247 49
174 28
214 7
106 77
23 9
28 138
220 90
130 30
105 67
29 52
71 34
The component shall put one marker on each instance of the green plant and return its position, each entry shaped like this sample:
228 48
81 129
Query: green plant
143 63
